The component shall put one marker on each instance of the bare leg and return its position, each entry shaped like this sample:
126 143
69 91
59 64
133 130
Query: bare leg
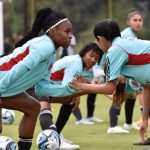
146 106
0 120
29 106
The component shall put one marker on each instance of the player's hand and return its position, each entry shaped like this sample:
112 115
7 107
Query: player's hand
80 79
96 82
75 85
143 130
76 102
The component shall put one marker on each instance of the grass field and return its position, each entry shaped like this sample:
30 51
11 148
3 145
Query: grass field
89 137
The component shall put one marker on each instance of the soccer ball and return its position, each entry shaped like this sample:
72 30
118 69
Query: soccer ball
48 140
8 116
7 143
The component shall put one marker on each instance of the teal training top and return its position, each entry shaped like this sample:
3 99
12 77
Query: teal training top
128 32
26 65
63 72
129 57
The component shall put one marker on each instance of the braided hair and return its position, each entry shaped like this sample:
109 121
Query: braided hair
45 18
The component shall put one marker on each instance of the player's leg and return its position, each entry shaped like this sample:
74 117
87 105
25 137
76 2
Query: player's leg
0 120
91 98
114 113
64 114
129 106
46 116
77 113
146 106
30 107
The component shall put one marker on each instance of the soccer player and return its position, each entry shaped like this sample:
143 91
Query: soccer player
98 74
26 66
135 21
127 56
135 24
63 72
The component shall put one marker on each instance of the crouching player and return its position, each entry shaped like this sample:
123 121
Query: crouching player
56 84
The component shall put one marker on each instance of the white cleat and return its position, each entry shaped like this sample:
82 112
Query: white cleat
117 129
131 126
94 119
67 145
84 122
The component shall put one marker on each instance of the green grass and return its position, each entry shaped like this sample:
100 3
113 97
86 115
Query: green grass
89 137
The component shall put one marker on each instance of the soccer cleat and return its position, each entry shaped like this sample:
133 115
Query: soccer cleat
63 139
84 122
117 129
131 126
94 119
67 145
146 142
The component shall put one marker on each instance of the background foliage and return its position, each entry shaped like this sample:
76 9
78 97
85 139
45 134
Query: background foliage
19 14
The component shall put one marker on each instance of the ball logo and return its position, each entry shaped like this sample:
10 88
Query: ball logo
48 140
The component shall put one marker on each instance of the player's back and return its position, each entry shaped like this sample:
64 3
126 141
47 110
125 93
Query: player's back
132 45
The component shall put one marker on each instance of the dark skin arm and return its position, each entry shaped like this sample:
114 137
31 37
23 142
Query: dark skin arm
83 88
67 99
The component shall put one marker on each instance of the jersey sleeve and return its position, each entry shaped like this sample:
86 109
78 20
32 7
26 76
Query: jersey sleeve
115 59
44 88
36 55
73 69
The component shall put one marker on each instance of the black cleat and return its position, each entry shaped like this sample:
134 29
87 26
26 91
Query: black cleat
146 142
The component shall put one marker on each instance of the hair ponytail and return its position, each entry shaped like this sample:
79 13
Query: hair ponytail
37 25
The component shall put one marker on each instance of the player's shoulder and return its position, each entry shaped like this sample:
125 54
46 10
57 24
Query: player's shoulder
73 58
42 44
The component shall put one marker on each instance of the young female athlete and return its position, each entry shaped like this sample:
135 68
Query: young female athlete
56 84
63 71
127 56
25 67
135 21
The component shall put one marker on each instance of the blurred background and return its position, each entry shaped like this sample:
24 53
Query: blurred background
18 16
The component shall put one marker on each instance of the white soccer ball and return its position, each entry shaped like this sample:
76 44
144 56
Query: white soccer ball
48 140
8 116
7 143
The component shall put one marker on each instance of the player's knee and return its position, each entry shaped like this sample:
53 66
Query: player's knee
35 108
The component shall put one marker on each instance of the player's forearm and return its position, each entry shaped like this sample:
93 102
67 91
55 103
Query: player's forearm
98 88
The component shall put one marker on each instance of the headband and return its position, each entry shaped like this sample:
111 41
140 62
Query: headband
56 24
